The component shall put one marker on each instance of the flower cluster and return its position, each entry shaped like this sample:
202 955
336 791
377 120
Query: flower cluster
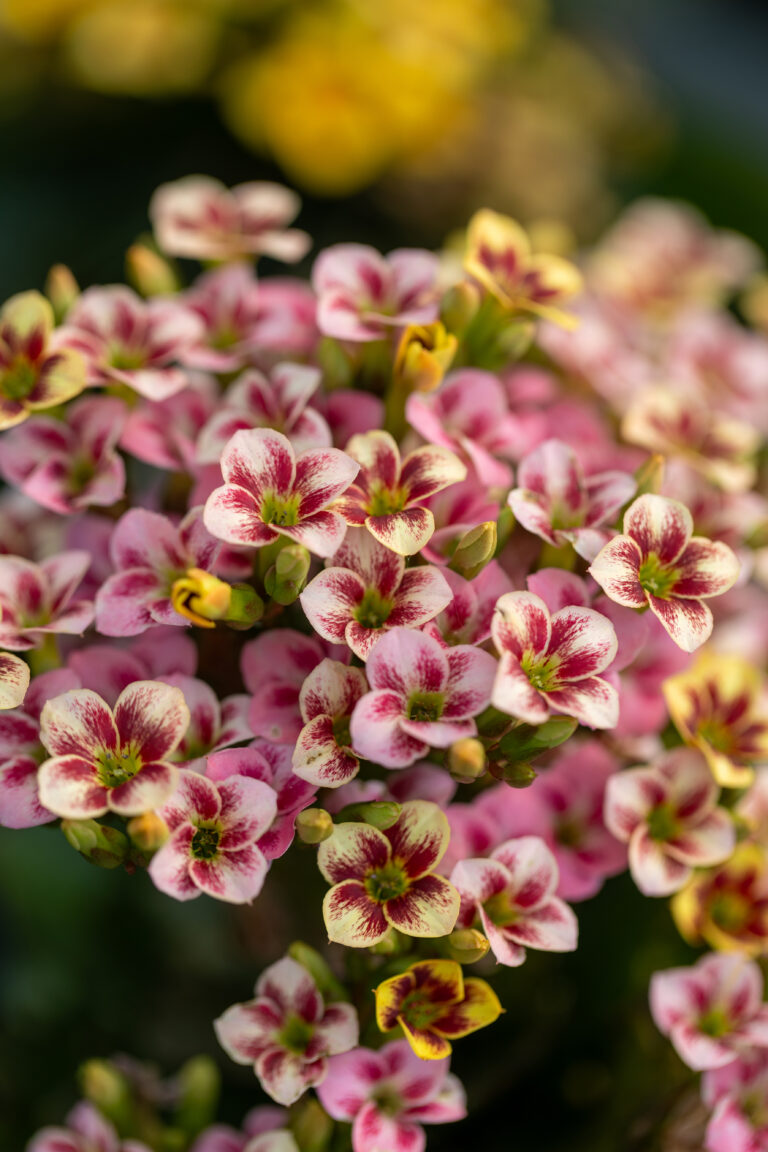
396 537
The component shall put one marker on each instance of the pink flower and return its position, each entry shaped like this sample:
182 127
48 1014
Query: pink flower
108 670
214 830
423 696
150 553
383 880
668 815
362 295
387 1095
68 466
278 402
164 432
37 600
368 591
556 501
513 894
387 495
110 760
323 753
270 492
227 301
274 667
711 1011
738 1095
263 1130
467 619
551 663
455 510
285 327
469 413
87 1131
658 562
199 218
288 1032
14 680
127 340
213 724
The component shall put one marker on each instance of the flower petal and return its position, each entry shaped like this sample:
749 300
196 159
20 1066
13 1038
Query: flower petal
351 917
429 908
351 851
153 717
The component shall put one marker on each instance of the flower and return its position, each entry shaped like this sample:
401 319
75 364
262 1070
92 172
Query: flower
557 502
87 1131
36 600
659 563
551 662
263 1130
33 374
668 814
712 1010
727 906
367 592
110 760
199 218
164 432
363 295
14 681
718 707
214 724
270 492
499 256
227 301
387 493
513 894
323 754
738 1097
387 1096
288 1032
384 880
433 1003
214 830
275 666
423 695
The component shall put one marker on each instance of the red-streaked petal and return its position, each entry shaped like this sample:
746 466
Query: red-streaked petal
594 702
351 851
430 469
428 909
659 525
351 917
616 568
707 568
77 723
419 837
153 717
688 622
521 623
147 790
584 642
68 786
404 532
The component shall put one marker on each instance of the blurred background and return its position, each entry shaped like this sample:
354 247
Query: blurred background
396 121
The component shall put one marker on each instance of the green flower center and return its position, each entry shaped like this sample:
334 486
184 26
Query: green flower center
115 768
500 909
283 511
205 842
388 1101
81 472
296 1034
715 1023
663 824
19 379
730 911
341 732
426 707
419 1011
373 610
126 359
569 833
540 671
386 883
386 501
656 578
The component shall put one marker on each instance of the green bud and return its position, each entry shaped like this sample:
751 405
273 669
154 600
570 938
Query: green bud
382 814
62 290
467 945
466 760
505 526
311 1126
101 845
108 1090
288 575
199 1085
475 549
314 825
149 272
650 476
459 306
517 774
515 339
319 970
246 607
388 946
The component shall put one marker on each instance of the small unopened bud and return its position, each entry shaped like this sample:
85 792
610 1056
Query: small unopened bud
311 1126
424 355
459 306
148 832
475 549
199 1083
382 814
286 578
466 759
149 272
314 825
101 845
467 945
62 290
107 1088
246 607
650 476
518 774
201 597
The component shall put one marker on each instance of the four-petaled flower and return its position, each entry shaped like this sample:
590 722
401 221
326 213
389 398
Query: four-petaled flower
288 1032
110 760
513 894
384 880
212 846
87 1131
33 374
423 695
551 662
711 1011
434 1003
37 600
727 906
270 492
668 815
323 753
658 562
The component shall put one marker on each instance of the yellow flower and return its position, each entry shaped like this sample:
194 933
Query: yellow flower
33 376
424 356
201 597
727 906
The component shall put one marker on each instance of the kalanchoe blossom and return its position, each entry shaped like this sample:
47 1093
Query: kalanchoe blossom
263 1130
213 724
422 695
552 662
149 554
212 847
362 295
270 492
513 894
68 466
127 340
14 681
367 591
199 218
387 1095
323 754
384 880
738 1097
87 1131
711 1011
668 815
288 1032
387 495
227 301
105 759
37 600
727 906
467 619
275 666
164 432
659 563
556 501
33 374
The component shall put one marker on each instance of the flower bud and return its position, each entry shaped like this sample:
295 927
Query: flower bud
246 607
149 272
311 1126
201 597
475 549
424 356
518 774
389 946
288 575
62 290
467 945
381 814
650 476
314 825
199 1084
459 305
101 845
148 832
107 1089
466 759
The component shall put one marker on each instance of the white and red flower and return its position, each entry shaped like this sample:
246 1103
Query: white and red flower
37 600
274 667
323 754
34 373
214 724
87 1131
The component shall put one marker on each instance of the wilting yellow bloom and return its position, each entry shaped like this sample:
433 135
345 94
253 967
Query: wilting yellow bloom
424 356
718 706
201 597
727 906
